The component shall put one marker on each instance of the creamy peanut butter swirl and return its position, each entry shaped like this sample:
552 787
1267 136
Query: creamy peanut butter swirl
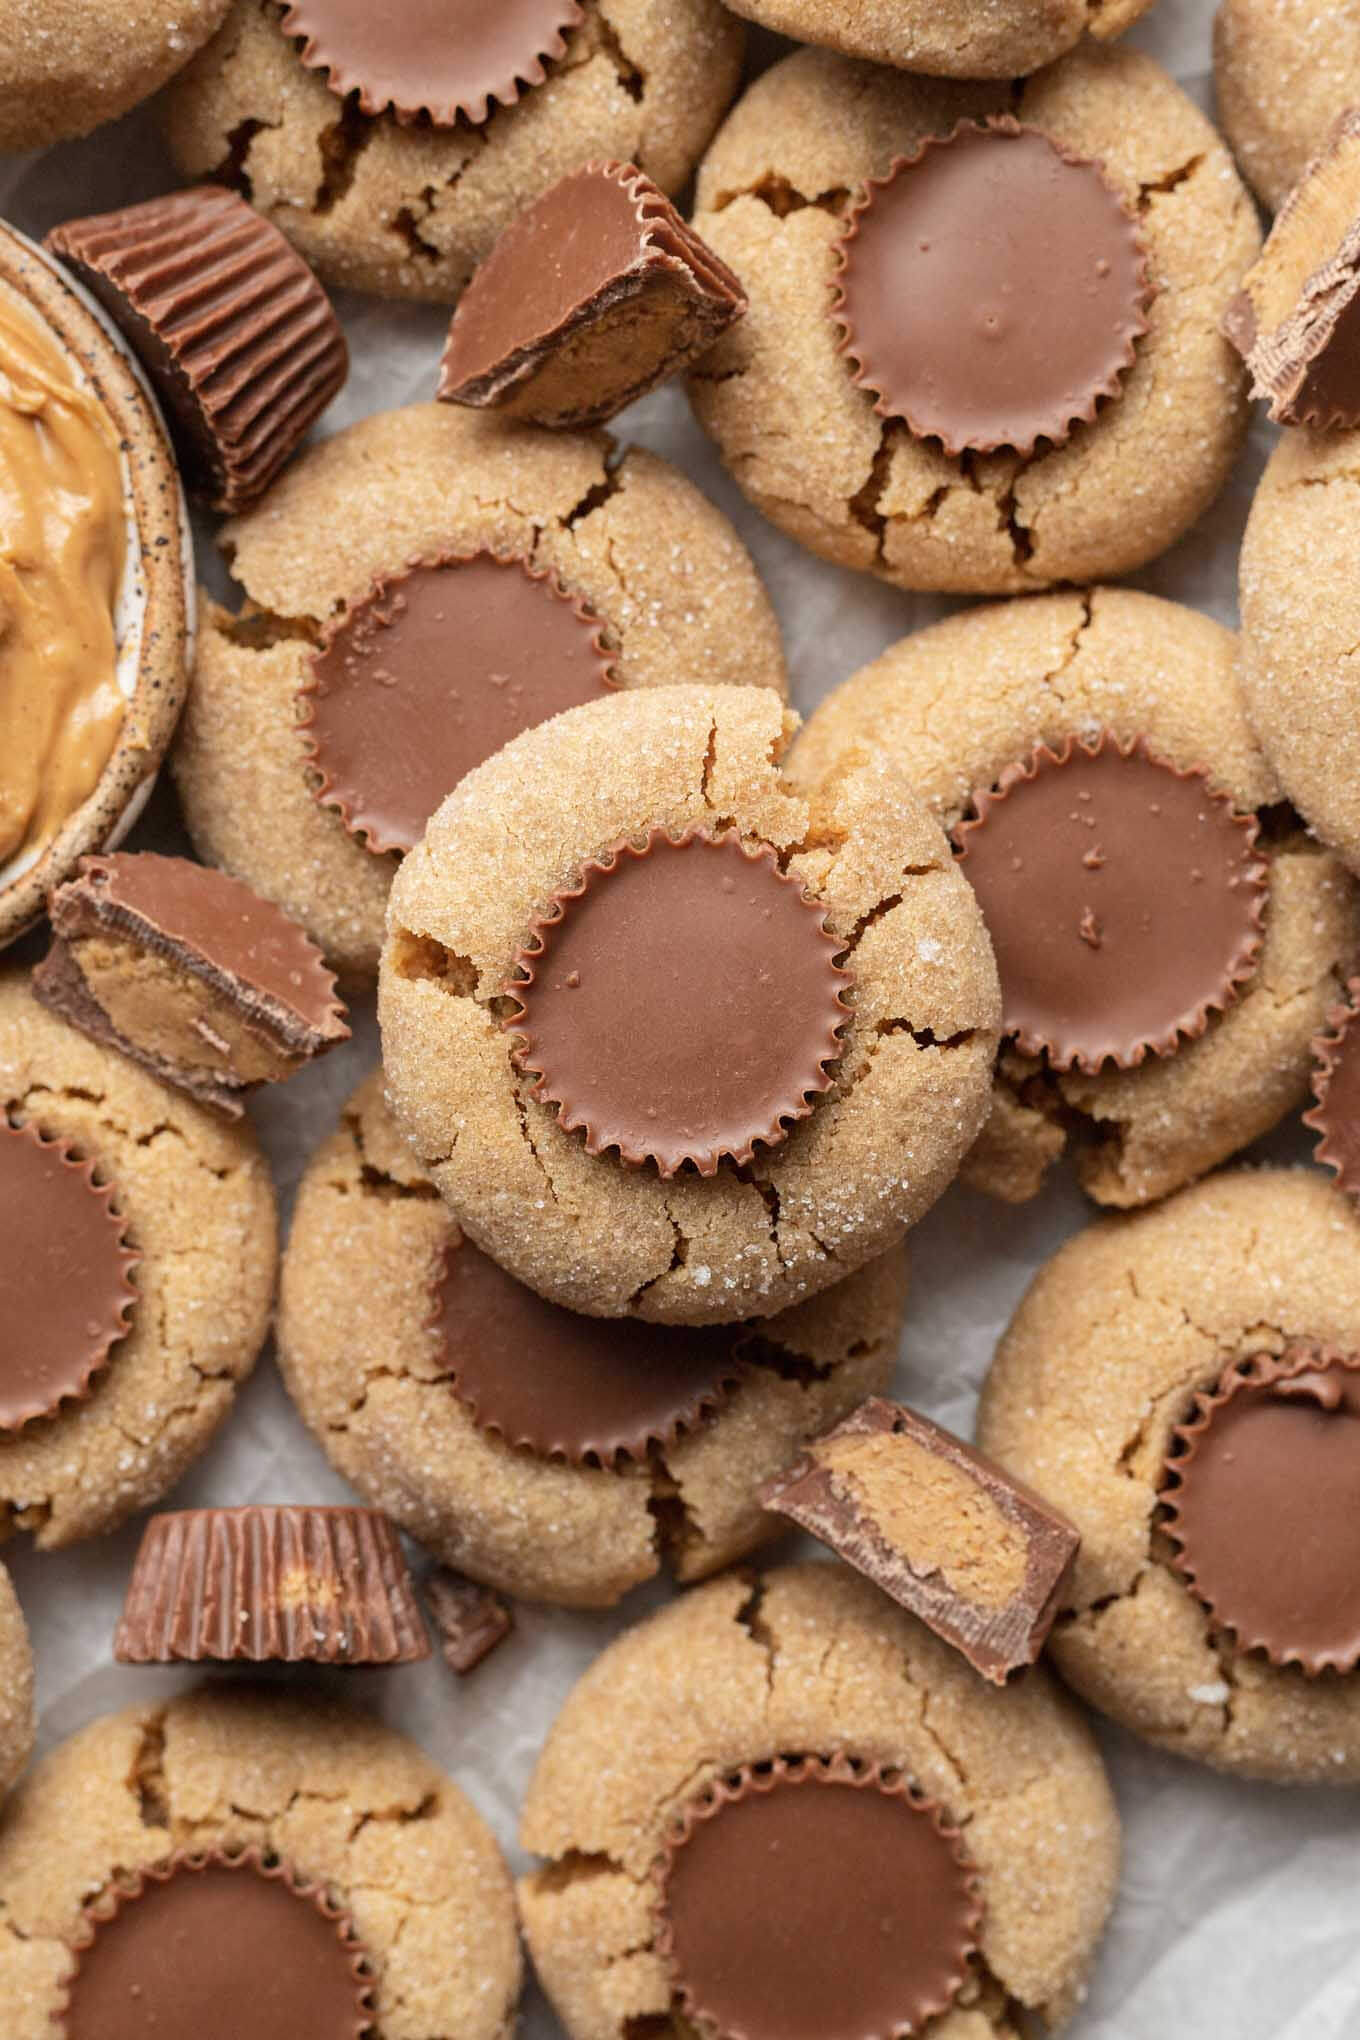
63 536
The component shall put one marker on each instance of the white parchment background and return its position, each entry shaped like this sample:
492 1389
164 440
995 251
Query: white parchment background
1239 1913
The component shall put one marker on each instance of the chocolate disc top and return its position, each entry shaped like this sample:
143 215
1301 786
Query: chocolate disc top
1335 1116
588 1390
445 58
1123 898
816 1901
992 287
65 1265
681 1004
431 673
213 1948
1263 1505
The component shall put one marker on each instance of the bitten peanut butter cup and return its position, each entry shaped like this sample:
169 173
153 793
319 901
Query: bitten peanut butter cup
1335 1114
590 297
435 670
65 1275
446 59
992 288
234 330
1124 899
1262 1502
264 1583
215 1946
815 1900
681 1004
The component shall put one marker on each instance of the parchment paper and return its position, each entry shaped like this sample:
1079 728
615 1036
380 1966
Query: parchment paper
1239 1914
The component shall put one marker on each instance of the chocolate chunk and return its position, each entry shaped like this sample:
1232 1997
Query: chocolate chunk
448 59
1296 319
470 1620
433 671
806 1899
592 1391
1123 898
1262 1503
1335 1115
681 1004
217 1946
262 1583
976 1554
189 973
235 332
65 1268
992 288
591 296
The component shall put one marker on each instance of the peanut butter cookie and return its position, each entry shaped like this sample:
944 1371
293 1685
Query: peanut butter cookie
65 68
16 1686
949 38
1283 70
673 1041
967 707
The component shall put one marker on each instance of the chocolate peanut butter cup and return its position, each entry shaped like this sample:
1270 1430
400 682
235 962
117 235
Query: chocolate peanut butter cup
215 1946
1335 1114
991 289
271 1583
435 670
234 330
470 1620
1262 1501
682 1004
65 1269
815 1900
445 59
1124 898
590 297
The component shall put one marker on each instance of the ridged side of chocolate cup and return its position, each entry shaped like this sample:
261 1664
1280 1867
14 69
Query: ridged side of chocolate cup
1331 1051
264 1583
238 336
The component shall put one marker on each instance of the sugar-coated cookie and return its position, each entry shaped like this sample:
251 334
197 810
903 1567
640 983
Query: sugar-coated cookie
68 65
804 1712
1283 71
16 1686
949 38
1185 1385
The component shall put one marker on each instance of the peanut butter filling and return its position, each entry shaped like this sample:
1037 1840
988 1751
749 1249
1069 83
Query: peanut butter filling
941 1518
175 1014
63 538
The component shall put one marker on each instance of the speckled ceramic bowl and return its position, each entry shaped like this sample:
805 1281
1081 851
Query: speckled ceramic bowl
154 617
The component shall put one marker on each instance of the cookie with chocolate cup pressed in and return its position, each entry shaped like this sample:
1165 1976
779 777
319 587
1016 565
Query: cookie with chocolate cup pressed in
1284 71
433 134
16 1686
67 69
948 38
255 1860
416 591
1166 958
1051 265
189 973
556 1457
745 1787
139 1250
591 297
674 1040
1204 1437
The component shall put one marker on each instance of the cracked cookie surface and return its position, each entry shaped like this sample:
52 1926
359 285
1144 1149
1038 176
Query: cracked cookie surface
343 1800
369 1373
16 1686
948 38
199 1211
1283 72
1098 1366
957 703
409 211
773 193
811 1660
674 588
876 1149
64 71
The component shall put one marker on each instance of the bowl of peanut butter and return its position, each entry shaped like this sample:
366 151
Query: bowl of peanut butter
96 583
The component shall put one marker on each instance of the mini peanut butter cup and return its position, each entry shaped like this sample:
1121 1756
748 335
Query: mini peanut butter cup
270 1583
216 1945
992 288
681 1004
65 1275
234 330
591 1391
1124 899
1262 1502
590 297
1335 1114
435 670
815 1899
445 59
